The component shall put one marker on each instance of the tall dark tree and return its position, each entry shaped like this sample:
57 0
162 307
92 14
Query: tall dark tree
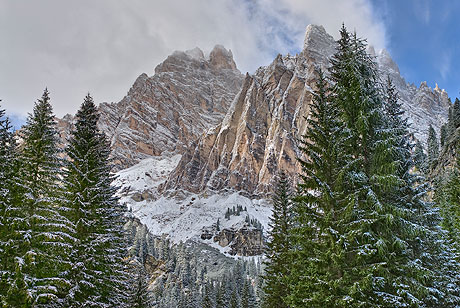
8 181
279 244
363 226
456 114
433 146
41 232
139 295
443 134
316 261
420 158
98 270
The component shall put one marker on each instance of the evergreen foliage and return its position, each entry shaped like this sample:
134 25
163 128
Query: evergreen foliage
98 273
443 134
364 236
278 246
8 180
433 147
41 232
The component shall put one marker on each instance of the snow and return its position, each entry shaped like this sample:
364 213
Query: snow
179 214
147 174
185 219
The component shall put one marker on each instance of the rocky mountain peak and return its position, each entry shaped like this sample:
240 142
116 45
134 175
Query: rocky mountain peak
318 45
222 58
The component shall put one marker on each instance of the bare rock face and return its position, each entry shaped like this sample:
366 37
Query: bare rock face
187 95
243 242
258 136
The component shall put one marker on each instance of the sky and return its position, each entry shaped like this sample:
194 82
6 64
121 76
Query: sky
76 47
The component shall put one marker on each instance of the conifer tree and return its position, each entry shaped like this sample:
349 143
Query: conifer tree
365 224
8 180
316 273
456 114
443 134
420 159
278 246
433 146
207 299
450 121
98 270
139 295
42 232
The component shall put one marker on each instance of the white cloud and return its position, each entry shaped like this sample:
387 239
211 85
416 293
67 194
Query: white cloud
102 46
422 10
444 64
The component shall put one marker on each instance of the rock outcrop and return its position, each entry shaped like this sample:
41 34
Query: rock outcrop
258 135
243 242
188 94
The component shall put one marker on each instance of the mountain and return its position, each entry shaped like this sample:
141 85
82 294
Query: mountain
188 94
198 139
258 135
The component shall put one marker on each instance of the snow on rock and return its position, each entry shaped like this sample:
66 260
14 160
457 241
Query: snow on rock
181 215
141 181
258 136
184 219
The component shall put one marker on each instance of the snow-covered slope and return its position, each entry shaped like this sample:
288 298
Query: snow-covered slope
181 215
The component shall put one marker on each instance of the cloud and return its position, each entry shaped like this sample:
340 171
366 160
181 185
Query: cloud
102 46
444 64
422 10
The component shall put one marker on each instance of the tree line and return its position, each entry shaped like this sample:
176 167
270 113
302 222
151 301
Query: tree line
61 240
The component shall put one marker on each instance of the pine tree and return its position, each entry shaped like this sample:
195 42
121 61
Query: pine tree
318 204
433 147
98 270
420 159
450 121
278 246
444 135
8 180
362 227
456 114
207 299
139 296
42 233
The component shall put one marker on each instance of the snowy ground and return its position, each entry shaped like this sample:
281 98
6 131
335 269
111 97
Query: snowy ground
183 215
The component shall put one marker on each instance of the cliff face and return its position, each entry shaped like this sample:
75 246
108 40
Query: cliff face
258 135
188 94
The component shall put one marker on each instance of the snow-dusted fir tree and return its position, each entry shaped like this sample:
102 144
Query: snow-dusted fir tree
433 146
138 295
367 224
316 269
42 232
98 273
420 159
443 135
278 246
8 180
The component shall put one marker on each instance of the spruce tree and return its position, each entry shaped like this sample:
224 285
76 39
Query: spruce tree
139 296
456 114
443 135
8 181
372 239
420 159
98 273
278 246
41 231
433 147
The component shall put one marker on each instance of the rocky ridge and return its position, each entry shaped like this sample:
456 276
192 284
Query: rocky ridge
188 94
258 136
